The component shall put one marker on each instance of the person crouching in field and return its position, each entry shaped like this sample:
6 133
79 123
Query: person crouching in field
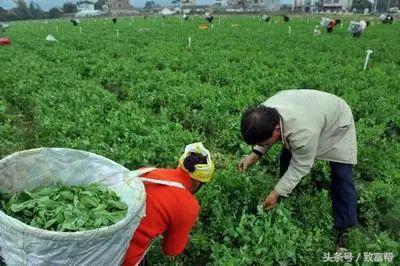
358 28
311 125
75 21
329 24
171 208
265 18
209 17
332 24
386 19
285 18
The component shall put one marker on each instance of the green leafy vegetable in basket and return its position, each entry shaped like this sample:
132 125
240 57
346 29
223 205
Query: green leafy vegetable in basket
65 208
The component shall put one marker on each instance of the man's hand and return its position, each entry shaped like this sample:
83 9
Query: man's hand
271 200
247 161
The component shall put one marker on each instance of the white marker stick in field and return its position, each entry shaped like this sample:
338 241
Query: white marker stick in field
80 30
190 42
367 58
117 33
290 30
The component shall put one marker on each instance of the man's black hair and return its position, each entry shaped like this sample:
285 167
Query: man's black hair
258 124
193 159
337 21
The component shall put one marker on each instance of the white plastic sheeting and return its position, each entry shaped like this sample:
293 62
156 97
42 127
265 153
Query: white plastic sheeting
22 244
325 21
50 38
354 27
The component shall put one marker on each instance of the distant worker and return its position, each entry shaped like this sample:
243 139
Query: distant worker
285 18
185 17
332 24
171 207
5 41
329 24
114 19
317 31
3 27
265 18
209 17
358 28
386 19
75 21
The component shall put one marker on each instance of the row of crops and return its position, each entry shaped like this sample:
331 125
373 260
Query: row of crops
139 98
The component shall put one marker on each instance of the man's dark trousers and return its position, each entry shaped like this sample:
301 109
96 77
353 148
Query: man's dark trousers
343 191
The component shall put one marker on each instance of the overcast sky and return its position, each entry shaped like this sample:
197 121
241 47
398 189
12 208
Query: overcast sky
47 4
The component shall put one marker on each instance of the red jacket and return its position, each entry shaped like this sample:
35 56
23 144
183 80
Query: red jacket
331 25
170 211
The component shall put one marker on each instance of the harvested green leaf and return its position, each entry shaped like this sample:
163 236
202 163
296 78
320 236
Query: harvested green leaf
65 208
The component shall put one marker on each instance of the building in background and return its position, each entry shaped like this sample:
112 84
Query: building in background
267 5
271 5
118 5
84 6
87 9
188 3
311 5
336 5
221 3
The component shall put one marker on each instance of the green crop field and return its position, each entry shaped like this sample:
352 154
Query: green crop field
139 98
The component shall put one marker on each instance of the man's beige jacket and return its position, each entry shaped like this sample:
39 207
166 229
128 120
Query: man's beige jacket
314 125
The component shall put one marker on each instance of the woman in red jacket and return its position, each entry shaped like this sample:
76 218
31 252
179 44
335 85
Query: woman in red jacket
332 24
171 208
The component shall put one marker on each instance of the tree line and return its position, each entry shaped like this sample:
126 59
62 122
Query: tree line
24 11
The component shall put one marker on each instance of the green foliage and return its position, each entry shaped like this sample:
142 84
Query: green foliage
141 98
66 208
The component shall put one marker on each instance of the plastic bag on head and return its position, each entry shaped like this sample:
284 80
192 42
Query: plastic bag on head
203 172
